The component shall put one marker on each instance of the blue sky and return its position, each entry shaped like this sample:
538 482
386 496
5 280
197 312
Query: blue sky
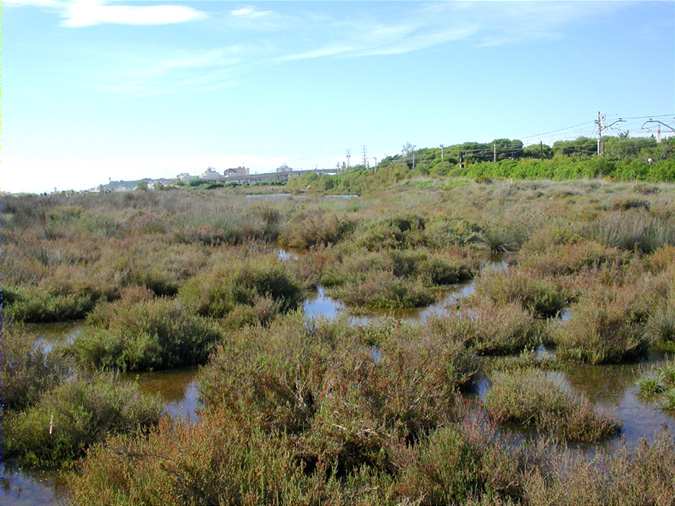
93 89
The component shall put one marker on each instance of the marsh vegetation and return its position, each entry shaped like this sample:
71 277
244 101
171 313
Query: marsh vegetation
473 343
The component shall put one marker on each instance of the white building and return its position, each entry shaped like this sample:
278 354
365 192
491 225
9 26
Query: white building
236 172
184 177
212 174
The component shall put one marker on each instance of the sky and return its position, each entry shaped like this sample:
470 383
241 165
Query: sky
123 89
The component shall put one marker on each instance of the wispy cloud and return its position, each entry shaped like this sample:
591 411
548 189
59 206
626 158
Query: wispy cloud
33 3
250 12
203 70
255 37
321 52
82 13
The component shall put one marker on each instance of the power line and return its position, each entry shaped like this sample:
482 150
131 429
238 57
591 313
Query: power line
559 130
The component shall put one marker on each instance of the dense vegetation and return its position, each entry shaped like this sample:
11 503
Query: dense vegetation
624 159
457 408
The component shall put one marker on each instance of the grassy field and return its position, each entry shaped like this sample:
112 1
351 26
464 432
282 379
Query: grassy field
299 411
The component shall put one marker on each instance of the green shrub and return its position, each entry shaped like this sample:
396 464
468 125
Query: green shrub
659 385
568 259
38 305
144 335
642 476
607 326
322 384
26 370
397 232
529 398
445 232
447 470
505 329
440 271
73 416
539 296
312 229
215 293
382 290
660 326
213 462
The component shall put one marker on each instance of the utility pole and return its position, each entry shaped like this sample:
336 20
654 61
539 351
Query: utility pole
365 157
659 123
541 149
442 146
413 156
494 152
348 154
600 122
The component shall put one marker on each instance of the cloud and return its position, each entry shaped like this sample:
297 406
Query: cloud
312 54
81 13
203 70
249 12
33 3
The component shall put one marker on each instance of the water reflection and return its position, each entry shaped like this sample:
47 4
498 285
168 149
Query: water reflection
268 196
321 305
19 487
49 335
177 388
285 255
613 389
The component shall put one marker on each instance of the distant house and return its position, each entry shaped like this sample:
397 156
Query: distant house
236 172
284 168
212 174
184 177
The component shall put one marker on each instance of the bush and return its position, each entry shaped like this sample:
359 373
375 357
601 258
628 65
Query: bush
659 385
38 305
213 462
444 232
398 232
382 290
643 476
567 259
529 398
26 371
322 384
447 470
312 229
215 293
660 326
440 271
607 326
144 335
539 296
80 413
502 330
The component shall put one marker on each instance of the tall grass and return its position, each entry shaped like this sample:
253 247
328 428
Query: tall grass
633 230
